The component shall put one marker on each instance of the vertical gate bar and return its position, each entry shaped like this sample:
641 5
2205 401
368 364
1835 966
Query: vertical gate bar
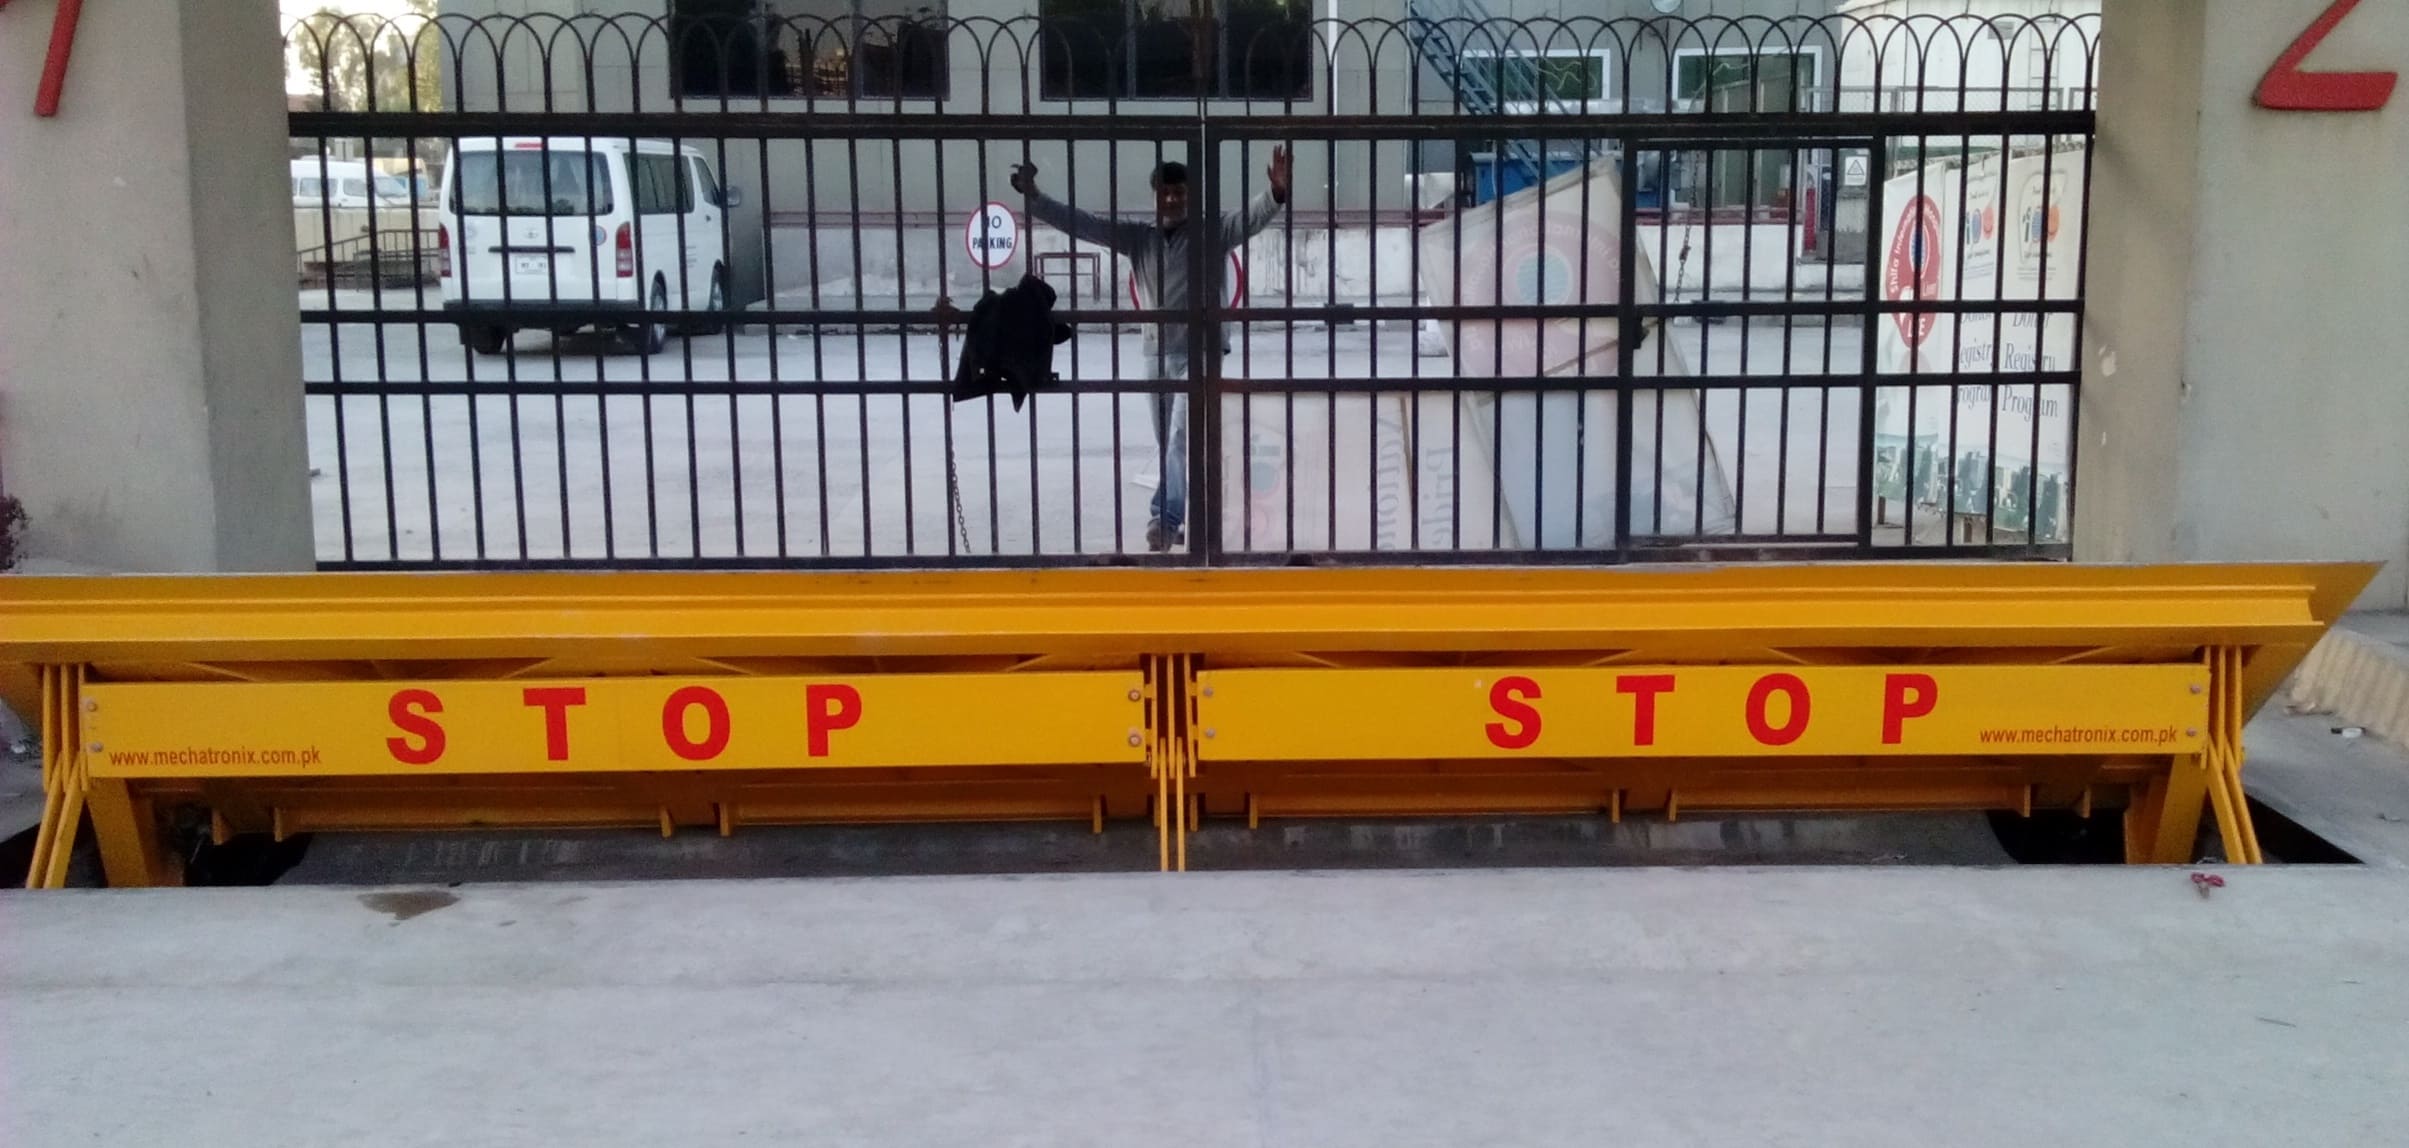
861 398
819 351
1112 351
1288 345
1500 152
1540 394
1744 399
1999 329
1629 330
1665 351
1581 355
769 293
2082 293
418 257
560 417
1790 245
1076 397
903 331
376 306
724 277
1831 293
2041 322
652 472
1876 163
1706 342
1330 354
1246 394
1957 361
1915 347
334 325
1458 145
1203 517
1371 152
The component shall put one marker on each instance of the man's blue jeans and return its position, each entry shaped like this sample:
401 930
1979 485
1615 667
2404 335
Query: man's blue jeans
1170 507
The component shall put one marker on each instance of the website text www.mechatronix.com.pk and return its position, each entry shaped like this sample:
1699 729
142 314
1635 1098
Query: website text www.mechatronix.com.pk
2080 735
189 755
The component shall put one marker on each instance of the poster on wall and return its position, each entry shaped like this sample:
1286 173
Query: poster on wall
1515 468
1996 457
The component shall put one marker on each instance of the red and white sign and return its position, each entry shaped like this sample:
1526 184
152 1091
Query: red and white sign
1913 271
991 235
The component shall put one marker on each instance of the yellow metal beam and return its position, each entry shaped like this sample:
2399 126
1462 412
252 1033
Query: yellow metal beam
291 704
1228 616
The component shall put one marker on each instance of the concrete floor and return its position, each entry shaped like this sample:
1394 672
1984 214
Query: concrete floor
598 473
1813 1007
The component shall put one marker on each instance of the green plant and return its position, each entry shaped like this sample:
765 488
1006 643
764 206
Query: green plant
12 530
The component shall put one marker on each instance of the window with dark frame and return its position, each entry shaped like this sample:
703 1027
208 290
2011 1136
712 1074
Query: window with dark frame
1175 49
809 49
1739 82
660 186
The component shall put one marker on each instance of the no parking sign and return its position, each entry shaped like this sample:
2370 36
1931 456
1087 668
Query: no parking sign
991 235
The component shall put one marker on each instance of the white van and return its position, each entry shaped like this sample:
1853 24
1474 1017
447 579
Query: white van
568 223
346 184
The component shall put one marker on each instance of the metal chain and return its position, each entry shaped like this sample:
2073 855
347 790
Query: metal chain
953 494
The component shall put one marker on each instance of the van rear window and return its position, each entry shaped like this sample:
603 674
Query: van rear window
531 183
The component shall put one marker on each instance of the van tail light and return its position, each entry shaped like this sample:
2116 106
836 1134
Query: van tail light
627 252
443 251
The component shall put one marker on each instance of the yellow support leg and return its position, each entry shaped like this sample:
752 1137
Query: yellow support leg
133 850
2163 824
63 781
2224 757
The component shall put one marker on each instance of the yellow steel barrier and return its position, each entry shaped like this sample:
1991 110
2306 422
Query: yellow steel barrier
223 705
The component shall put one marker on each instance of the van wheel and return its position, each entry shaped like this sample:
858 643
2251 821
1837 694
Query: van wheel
718 303
484 339
649 338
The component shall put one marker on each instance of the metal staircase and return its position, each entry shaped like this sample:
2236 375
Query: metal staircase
1476 55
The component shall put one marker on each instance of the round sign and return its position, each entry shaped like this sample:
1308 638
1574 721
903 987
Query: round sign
991 235
1237 284
1914 268
1542 276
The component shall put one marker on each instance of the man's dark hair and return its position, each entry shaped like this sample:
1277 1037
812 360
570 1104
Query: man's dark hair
1170 172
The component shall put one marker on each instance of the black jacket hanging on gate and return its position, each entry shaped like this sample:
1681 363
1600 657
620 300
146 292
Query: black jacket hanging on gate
1008 348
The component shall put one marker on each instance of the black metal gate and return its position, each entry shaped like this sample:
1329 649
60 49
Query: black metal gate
1580 291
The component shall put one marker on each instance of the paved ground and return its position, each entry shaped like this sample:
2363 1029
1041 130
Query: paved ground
807 472
1645 1007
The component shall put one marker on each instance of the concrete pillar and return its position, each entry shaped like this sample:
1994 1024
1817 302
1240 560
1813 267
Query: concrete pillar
2246 376
150 363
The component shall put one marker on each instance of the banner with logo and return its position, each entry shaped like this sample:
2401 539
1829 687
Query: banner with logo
1516 468
2000 228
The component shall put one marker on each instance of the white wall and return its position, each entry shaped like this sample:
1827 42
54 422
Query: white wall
2246 380
150 395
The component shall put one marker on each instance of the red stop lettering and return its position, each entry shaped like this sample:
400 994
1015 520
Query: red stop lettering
1643 689
1760 694
715 723
1905 696
828 708
1506 698
555 702
408 711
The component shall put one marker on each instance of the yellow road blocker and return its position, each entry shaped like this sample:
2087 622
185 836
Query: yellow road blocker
177 707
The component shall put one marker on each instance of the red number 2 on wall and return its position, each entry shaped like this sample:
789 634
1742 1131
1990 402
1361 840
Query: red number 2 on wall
2286 88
